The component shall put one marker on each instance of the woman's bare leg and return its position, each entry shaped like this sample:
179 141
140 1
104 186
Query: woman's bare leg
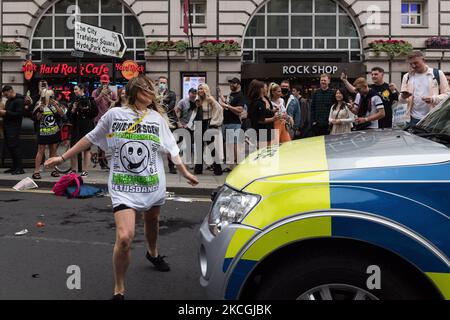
151 226
38 159
125 226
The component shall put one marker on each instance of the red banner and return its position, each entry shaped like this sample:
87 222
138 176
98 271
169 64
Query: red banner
186 16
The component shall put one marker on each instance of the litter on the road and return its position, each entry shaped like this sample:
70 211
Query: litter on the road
21 232
25 184
36 275
40 224
170 194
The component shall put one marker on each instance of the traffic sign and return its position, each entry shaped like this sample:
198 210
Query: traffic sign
97 40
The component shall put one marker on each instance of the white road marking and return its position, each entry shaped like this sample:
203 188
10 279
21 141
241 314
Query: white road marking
44 191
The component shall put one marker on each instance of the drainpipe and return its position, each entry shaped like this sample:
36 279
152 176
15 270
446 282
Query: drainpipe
217 38
1 40
390 37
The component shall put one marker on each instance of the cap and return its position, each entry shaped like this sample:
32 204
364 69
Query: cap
192 90
235 80
104 78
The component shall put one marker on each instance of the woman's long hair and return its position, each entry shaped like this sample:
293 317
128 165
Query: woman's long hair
138 83
273 87
254 91
207 91
203 100
344 99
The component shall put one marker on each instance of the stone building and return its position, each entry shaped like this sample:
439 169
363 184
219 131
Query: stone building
296 39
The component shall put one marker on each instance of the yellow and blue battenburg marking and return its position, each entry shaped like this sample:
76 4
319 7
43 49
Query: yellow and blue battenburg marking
414 198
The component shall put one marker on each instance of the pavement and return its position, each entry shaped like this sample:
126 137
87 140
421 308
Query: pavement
208 182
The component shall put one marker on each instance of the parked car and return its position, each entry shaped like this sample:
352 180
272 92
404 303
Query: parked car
360 216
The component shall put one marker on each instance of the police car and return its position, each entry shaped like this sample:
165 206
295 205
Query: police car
360 216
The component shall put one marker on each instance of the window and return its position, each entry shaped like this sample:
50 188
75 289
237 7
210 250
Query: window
53 31
302 25
197 13
412 13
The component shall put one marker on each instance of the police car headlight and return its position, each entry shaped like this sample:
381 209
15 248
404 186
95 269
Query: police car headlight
230 206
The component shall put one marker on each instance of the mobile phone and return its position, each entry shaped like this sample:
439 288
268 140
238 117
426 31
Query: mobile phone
405 92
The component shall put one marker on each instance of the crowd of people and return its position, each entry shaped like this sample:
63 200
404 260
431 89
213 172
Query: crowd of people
139 124
278 112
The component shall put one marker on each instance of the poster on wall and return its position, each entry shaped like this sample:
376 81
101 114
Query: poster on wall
192 81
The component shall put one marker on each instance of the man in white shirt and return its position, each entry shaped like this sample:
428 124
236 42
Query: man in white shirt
426 87
368 106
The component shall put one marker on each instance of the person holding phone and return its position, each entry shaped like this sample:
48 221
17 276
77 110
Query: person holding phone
138 136
104 99
211 113
48 114
82 112
424 86
233 106
368 106
387 92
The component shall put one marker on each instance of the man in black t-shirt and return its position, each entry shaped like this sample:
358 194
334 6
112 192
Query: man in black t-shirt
233 106
388 93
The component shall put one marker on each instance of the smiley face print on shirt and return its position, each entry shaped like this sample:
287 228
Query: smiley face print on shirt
134 156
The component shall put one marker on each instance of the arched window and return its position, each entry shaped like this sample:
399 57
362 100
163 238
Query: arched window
303 25
54 31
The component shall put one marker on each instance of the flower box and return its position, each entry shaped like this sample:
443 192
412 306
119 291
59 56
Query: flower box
179 47
392 48
9 48
216 47
438 43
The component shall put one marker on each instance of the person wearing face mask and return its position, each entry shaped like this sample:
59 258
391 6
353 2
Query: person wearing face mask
168 100
292 109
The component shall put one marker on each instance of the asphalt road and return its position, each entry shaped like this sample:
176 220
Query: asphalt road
81 232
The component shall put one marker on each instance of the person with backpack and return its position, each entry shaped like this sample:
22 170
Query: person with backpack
426 87
82 112
368 106
48 115
138 136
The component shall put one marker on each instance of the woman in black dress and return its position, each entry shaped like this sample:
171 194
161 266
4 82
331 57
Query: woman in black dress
261 112
82 112
48 115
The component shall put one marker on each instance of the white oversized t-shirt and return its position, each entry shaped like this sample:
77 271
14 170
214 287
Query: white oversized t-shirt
137 178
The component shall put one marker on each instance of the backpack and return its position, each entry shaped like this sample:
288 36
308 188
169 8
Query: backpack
66 181
85 191
436 76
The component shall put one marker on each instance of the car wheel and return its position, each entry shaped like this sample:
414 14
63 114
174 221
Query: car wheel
339 275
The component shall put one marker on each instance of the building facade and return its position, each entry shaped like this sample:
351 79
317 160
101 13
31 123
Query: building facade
296 39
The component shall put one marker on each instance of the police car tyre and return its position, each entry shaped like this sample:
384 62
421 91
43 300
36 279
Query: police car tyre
345 274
